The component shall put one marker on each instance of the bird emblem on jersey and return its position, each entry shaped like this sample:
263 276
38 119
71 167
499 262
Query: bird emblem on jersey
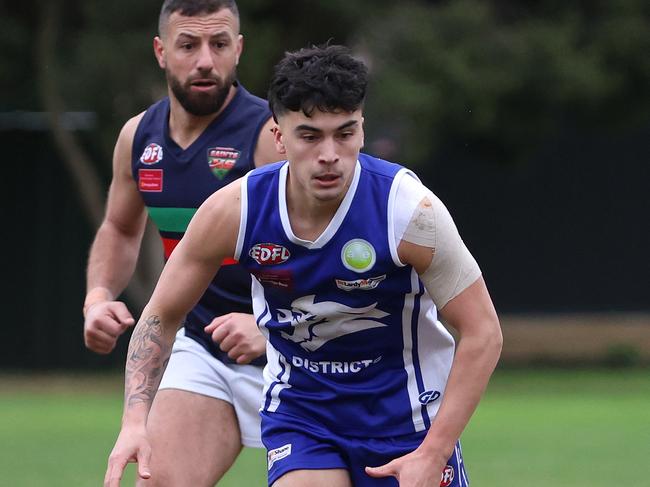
315 324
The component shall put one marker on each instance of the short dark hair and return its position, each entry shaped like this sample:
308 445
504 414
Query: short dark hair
191 8
326 78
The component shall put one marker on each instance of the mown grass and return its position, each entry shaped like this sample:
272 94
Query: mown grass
533 428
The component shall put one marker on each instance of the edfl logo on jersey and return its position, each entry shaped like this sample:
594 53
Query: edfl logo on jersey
447 476
152 154
269 253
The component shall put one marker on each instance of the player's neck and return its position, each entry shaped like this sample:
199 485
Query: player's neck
185 128
308 216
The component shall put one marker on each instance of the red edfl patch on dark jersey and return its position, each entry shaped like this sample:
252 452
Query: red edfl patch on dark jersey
447 476
150 180
152 154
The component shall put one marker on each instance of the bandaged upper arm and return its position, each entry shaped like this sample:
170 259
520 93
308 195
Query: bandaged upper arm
453 268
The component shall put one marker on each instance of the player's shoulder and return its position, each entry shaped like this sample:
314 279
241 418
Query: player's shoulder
380 167
252 99
266 170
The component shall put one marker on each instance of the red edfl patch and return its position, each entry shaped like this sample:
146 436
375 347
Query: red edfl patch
152 154
447 476
269 254
150 180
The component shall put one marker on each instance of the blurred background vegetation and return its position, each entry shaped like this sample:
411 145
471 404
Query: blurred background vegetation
531 120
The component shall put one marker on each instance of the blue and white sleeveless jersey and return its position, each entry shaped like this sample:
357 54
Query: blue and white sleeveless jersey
353 338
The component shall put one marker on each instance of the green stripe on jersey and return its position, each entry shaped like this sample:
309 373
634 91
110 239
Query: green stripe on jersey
171 219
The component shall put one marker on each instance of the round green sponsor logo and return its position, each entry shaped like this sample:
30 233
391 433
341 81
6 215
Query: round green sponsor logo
358 255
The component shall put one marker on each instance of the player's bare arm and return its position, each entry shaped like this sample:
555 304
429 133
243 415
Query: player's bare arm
114 252
451 277
210 237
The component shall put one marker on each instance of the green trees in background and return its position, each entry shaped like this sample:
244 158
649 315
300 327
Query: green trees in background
501 76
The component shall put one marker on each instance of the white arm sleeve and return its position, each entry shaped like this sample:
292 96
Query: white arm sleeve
421 218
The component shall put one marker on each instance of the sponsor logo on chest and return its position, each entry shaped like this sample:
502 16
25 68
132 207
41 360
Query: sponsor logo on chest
222 159
358 255
269 254
150 180
360 284
152 154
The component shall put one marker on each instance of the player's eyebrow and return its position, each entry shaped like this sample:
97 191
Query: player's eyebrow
222 34
317 130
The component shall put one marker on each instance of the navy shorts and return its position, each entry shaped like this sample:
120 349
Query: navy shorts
292 444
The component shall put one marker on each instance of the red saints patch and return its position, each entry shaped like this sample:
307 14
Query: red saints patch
447 476
222 159
150 180
269 254
152 154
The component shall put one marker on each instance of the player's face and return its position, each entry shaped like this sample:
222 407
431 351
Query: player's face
200 55
322 151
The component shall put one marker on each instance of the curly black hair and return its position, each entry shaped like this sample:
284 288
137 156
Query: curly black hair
326 78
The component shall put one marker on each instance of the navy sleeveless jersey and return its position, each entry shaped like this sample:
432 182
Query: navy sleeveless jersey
174 182
354 340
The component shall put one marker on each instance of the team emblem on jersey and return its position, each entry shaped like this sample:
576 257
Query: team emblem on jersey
447 476
222 159
150 180
315 324
152 154
358 255
360 284
269 254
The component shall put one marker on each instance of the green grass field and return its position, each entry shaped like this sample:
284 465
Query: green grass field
578 428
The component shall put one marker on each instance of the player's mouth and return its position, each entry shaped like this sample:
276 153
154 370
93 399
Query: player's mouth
204 84
327 180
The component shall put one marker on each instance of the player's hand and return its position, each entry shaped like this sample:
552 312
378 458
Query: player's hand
131 446
237 334
105 322
417 469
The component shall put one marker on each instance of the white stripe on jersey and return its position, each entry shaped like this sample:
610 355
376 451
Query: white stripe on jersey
435 350
393 237
276 377
407 335
277 370
243 217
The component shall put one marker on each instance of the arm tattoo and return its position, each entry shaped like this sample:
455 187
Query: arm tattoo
147 358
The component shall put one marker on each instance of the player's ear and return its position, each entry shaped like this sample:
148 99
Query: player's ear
279 143
240 48
159 51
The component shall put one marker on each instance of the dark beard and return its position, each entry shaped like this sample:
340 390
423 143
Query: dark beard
201 104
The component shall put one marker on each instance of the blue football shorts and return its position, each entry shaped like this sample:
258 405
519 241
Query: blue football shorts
294 444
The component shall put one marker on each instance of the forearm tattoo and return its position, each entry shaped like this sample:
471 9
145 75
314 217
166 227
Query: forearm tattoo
146 361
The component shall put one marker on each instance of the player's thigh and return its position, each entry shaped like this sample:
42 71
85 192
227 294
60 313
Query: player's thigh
194 439
315 478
